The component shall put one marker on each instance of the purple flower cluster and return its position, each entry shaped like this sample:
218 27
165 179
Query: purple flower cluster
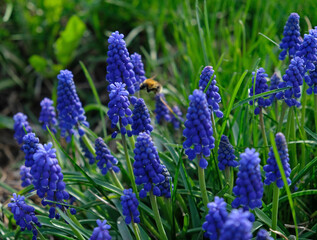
26 176
119 107
215 219
48 115
141 117
29 147
130 205
249 186
292 40
293 78
161 110
24 214
120 67
86 152
147 167
177 121
104 157
311 80
308 52
198 128
20 121
212 95
275 81
101 232
165 186
263 235
272 172
226 155
237 226
259 86
138 69
70 111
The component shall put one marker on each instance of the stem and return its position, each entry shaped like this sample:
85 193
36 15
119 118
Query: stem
293 138
157 217
280 123
202 185
264 137
229 178
276 109
214 127
115 179
131 139
149 226
276 192
136 230
302 125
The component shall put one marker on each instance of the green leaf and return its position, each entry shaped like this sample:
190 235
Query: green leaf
265 219
6 122
38 63
123 229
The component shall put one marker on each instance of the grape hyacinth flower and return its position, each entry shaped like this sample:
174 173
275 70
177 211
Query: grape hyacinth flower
165 186
212 95
198 129
177 121
130 205
237 226
48 115
226 155
292 40
293 78
138 69
26 176
161 110
249 186
70 111
29 147
104 157
263 235
24 214
140 117
86 152
311 80
101 232
20 121
215 219
308 52
260 86
147 167
119 108
275 81
120 67
272 172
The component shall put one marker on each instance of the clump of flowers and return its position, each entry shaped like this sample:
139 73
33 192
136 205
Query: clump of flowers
130 205
226 155
24 214
120 67
86 152
138 69
259 86
215 219
101 232
26 176
308 51
161 110
104 157
165 186
70 111
272 172
292 40
48 115
177 120
275 81
212 95
29 147
141 121
311 80
21 123
263 235
198 129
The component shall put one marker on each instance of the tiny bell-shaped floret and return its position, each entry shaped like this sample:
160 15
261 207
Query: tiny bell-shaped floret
105 160
29 147
101 232
226 155
130 205
141 118
48 115
275 81
20 121
263 235
138 69
26 176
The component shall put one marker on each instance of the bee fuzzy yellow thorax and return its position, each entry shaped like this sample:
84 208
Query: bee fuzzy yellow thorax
151 86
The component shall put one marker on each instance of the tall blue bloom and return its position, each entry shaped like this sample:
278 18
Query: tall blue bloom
292 40
101 232
119 107
311 80
212 95
226 155
260 86
275 81
70 111
147 167
29 147
249 186
308 52
263 235
20 121
24 214
215 219
165 186
293 78
272 172
141 118
177 121
26 176
86 152
161 110
138 69
104 157
198 128
237 226
48 115
120 67
130 205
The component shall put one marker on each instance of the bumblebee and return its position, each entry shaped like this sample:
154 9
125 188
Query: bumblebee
151 86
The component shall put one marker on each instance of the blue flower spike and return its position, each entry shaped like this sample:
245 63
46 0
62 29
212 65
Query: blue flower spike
198 129
120 67
249 186
161 110
29 147
130 205
272 172
138 69
70 111
26 176
215 219
311 80
165 186
20 121
24 214
86 152
226 157
141 118
177 120
291 40
308 51
101 232
263 235
212 95
275 81
48 115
